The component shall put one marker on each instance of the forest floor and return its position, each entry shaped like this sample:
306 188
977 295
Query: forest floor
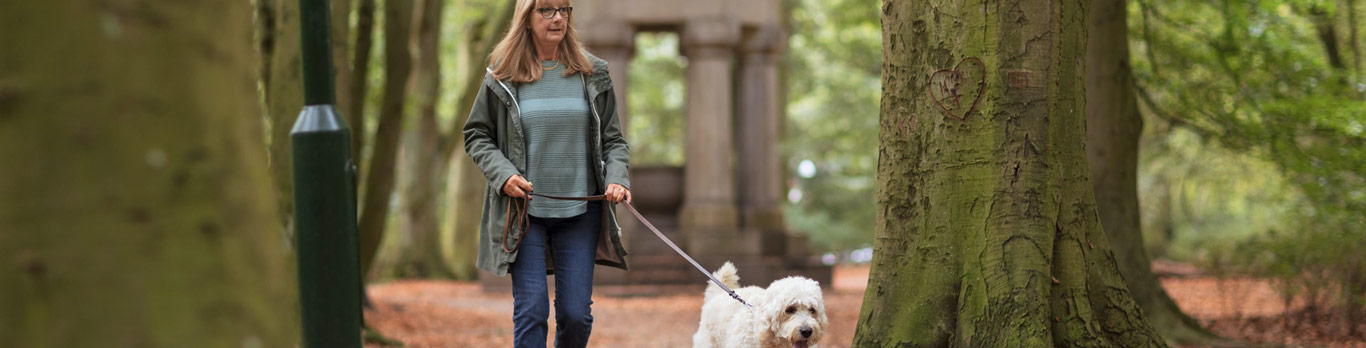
459 314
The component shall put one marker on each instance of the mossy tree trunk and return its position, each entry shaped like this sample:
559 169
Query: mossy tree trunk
137 209
422 244
1112 132
281 91
379 177
358 85
987 232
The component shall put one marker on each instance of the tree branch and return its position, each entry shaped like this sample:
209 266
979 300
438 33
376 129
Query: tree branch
1172 120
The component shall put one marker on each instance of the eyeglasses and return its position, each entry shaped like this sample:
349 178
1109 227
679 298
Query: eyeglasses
548 12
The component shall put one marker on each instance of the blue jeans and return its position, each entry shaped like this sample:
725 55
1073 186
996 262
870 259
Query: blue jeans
572 243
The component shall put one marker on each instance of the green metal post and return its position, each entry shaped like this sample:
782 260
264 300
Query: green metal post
324 198
317 52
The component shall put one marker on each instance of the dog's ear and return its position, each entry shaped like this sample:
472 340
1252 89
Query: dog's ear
820 310
821 321
771 309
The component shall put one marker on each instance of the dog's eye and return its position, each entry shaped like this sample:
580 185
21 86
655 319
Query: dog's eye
791 310
813 311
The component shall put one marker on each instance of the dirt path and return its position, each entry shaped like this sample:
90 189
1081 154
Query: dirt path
453 314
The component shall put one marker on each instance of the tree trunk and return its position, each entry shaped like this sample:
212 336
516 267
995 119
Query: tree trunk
987 234
1354 43
138 208
354 110
1112 132
1166 224
379 179
282 92
341 60
422 256
1324 26
469 183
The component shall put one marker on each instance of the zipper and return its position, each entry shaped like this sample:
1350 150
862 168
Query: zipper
510 94
516 121
597 125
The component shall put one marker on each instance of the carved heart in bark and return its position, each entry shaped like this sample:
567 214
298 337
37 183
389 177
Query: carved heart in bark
956 92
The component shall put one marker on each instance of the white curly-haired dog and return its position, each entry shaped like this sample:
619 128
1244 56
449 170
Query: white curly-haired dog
790 313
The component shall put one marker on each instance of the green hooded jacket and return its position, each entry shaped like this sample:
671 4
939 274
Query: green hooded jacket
495 141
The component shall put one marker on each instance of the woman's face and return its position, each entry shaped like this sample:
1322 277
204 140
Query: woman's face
549 32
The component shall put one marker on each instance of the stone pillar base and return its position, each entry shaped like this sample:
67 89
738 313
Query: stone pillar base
708 216
724 242
764 218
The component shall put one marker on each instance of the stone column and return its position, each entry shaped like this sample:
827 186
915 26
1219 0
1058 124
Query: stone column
759 117
709 214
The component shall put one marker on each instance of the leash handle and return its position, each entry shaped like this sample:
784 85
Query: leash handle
523 223
661 236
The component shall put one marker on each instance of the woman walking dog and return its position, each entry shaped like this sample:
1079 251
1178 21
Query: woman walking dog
546 114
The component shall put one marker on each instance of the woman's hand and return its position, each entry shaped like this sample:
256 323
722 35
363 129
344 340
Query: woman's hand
616 193
517 187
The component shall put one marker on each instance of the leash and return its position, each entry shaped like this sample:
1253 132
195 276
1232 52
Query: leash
522 219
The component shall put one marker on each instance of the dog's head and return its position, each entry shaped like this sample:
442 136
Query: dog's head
795 311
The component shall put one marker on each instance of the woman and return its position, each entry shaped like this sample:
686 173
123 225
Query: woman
546 114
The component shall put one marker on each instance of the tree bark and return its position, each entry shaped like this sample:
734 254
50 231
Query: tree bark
354 110
987 233
138 208
1324 26
422 256
282 93
1112 134
469 183
1354 43
379 179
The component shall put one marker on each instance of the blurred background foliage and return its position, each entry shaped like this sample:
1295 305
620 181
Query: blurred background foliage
1252 155
833 67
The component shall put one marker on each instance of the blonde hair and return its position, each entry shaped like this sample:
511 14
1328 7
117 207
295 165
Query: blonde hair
515 56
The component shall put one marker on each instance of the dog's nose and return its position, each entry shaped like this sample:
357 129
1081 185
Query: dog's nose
806 332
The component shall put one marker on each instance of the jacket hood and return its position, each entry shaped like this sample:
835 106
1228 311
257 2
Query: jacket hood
601 80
